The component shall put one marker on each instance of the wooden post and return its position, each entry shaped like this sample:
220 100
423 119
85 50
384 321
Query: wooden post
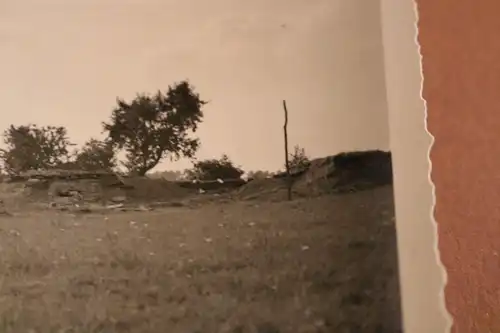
287 164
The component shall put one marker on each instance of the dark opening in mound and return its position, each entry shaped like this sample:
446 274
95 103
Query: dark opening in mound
365 168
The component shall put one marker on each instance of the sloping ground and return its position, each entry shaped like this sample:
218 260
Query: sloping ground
266 189
320 265
144 189
342 173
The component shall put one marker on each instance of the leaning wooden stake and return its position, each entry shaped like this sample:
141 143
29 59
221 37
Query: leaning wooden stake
287 164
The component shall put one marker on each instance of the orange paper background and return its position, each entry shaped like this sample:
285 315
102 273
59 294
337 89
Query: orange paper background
460 46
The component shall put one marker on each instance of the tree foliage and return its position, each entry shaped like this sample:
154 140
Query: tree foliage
96 155
298 159
212 169
30 147
151 128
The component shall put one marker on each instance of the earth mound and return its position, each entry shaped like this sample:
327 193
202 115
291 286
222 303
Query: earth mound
63 188
342 173
347 172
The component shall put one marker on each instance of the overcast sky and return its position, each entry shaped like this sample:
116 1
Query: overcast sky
65 62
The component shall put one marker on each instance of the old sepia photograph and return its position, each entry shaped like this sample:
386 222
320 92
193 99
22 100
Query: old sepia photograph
200 166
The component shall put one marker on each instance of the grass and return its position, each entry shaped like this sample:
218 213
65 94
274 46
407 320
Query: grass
326 264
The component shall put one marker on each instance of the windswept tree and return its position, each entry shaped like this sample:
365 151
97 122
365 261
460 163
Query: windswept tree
30 147
212 169
151 128
96 155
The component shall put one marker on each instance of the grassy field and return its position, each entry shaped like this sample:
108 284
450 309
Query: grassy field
326 264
